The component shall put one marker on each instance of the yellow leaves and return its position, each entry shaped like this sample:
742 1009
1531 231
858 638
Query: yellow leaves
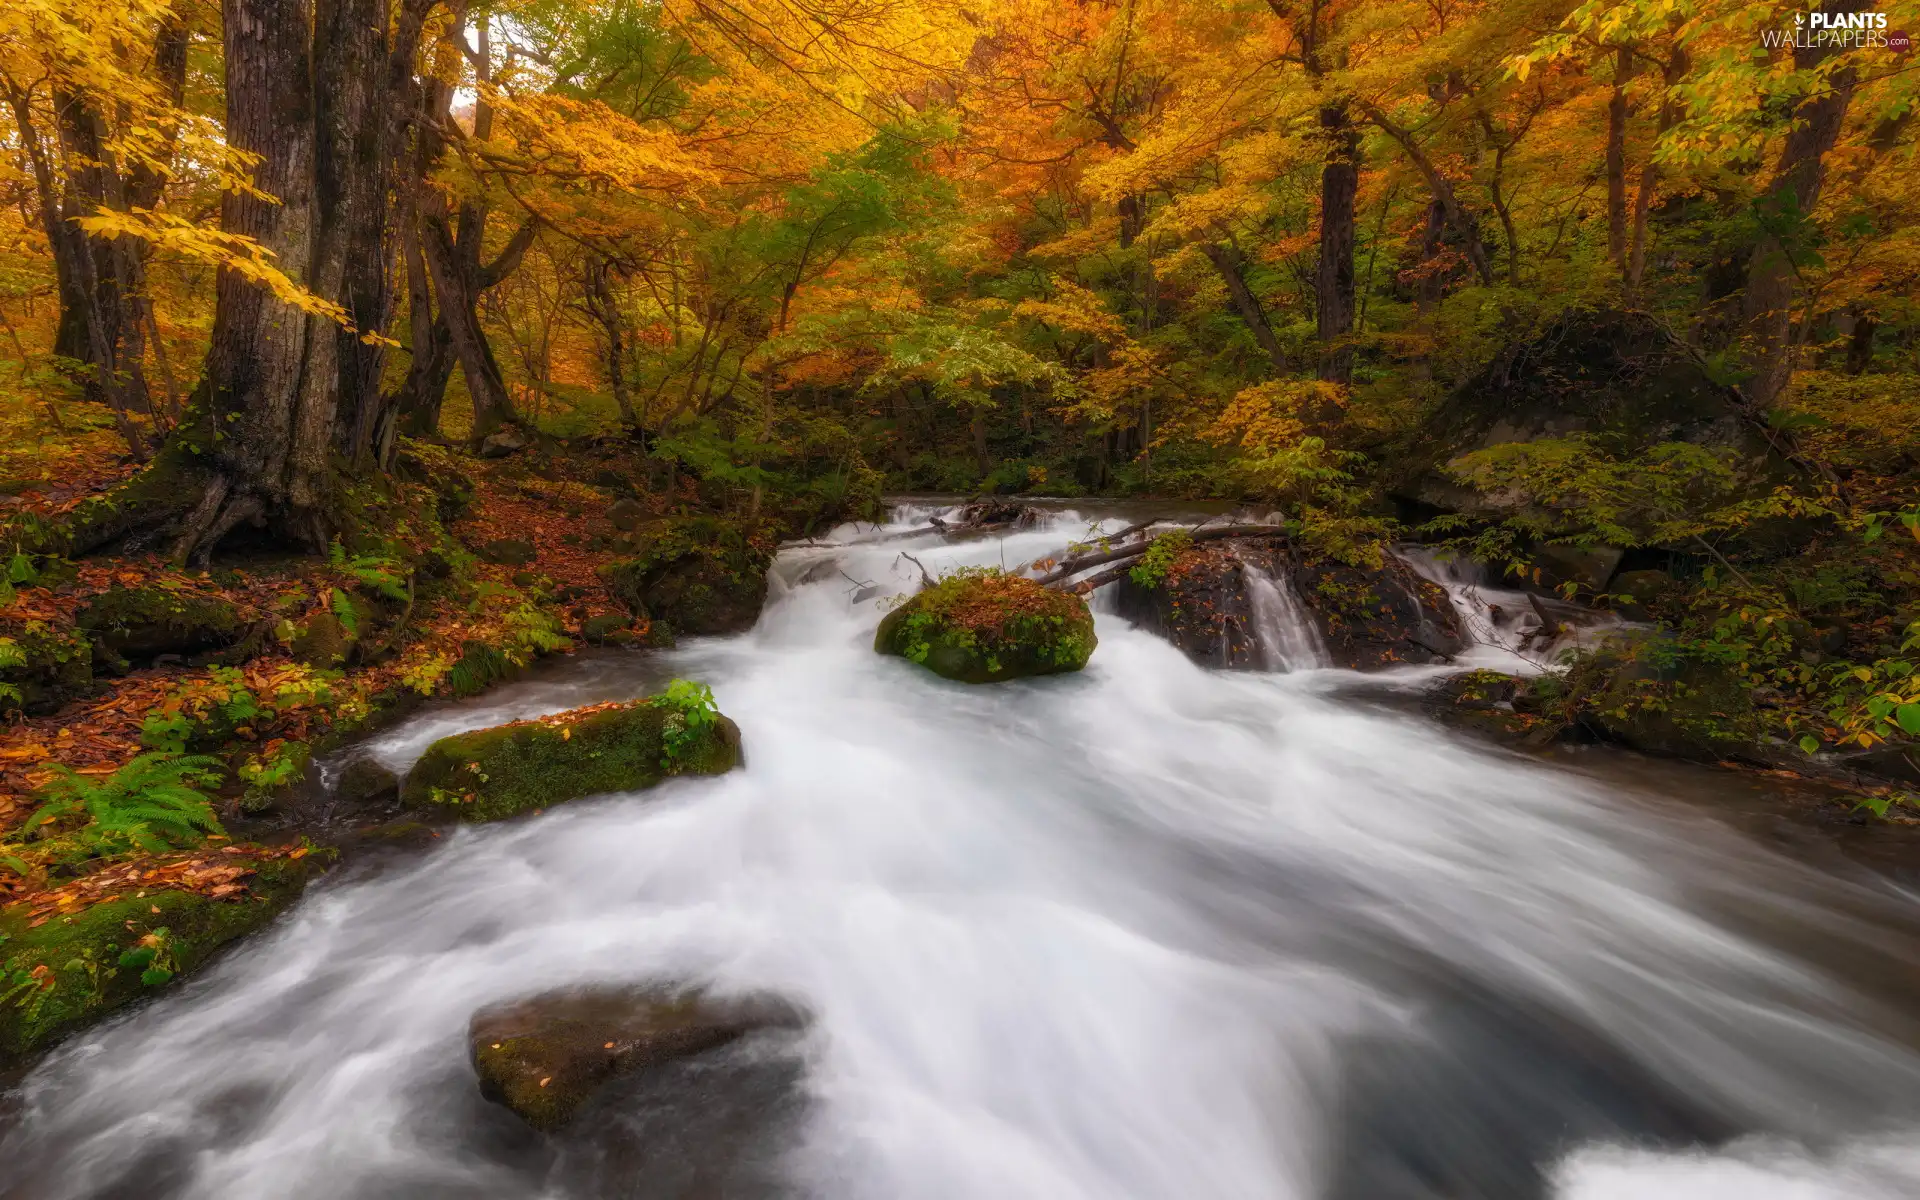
1274 415
592 143
1076 310
242 255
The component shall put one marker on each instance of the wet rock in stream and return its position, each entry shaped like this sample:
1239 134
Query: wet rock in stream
1241 603
525 766
544 1058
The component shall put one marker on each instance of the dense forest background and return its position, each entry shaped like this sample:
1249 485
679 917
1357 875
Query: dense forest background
1617 298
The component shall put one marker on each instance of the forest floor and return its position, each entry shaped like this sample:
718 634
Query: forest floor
291 691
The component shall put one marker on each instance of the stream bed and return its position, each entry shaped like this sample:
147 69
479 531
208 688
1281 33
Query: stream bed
1144 931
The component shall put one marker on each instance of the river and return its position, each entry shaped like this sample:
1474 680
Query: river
1143 931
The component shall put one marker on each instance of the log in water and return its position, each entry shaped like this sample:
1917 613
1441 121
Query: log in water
1144 931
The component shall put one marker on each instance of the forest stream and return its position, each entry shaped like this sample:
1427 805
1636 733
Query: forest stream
1144 930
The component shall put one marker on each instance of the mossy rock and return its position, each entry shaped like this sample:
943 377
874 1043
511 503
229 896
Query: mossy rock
70 971
1505 708
1645 694
607 629
58 666
984 626
323 642
511 552
142 623
545 1057
699 575
491 774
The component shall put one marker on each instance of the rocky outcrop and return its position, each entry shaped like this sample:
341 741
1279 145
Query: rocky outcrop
694 575
983 626
1591 371
545 1057
1364 618
526 766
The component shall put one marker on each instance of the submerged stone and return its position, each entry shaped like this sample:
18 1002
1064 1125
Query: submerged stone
545 1057
984 626
490 774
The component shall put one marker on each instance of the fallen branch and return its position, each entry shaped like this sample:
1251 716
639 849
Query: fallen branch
1074 566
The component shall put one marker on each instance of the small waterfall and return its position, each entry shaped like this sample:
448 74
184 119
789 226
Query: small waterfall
1514 624
1288 638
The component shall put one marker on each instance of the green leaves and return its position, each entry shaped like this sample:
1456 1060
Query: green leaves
154 803
1907 716
693 716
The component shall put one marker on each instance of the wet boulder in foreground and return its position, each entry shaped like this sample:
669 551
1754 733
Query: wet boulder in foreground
983 626
545 1057
619 746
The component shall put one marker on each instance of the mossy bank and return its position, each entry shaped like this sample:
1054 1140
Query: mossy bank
59 972
984 626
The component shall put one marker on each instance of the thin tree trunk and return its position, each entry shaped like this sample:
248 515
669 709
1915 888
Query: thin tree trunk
1451 210
1790 201
1228 261
1676 68
1617 158
1334 277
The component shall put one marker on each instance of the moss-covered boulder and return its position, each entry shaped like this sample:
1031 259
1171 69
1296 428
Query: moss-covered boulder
324 641
1644 693
697 575
501 772
139 624
545 1057
983 626
45 666
64 970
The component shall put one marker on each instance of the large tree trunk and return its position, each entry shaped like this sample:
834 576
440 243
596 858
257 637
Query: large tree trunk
1789 202
270 429
310 93
1333 278
360 79
1231 264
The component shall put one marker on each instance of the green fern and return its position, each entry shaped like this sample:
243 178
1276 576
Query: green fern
374 572
154 803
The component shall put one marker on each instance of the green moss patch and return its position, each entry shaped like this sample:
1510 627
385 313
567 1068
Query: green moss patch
69 971
501 772
983 626
140 623
43 665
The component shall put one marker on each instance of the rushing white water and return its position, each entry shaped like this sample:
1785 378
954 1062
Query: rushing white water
1289 640
1144 931
1508 629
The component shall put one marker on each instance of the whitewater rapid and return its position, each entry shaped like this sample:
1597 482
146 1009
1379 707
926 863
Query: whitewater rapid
1143 931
